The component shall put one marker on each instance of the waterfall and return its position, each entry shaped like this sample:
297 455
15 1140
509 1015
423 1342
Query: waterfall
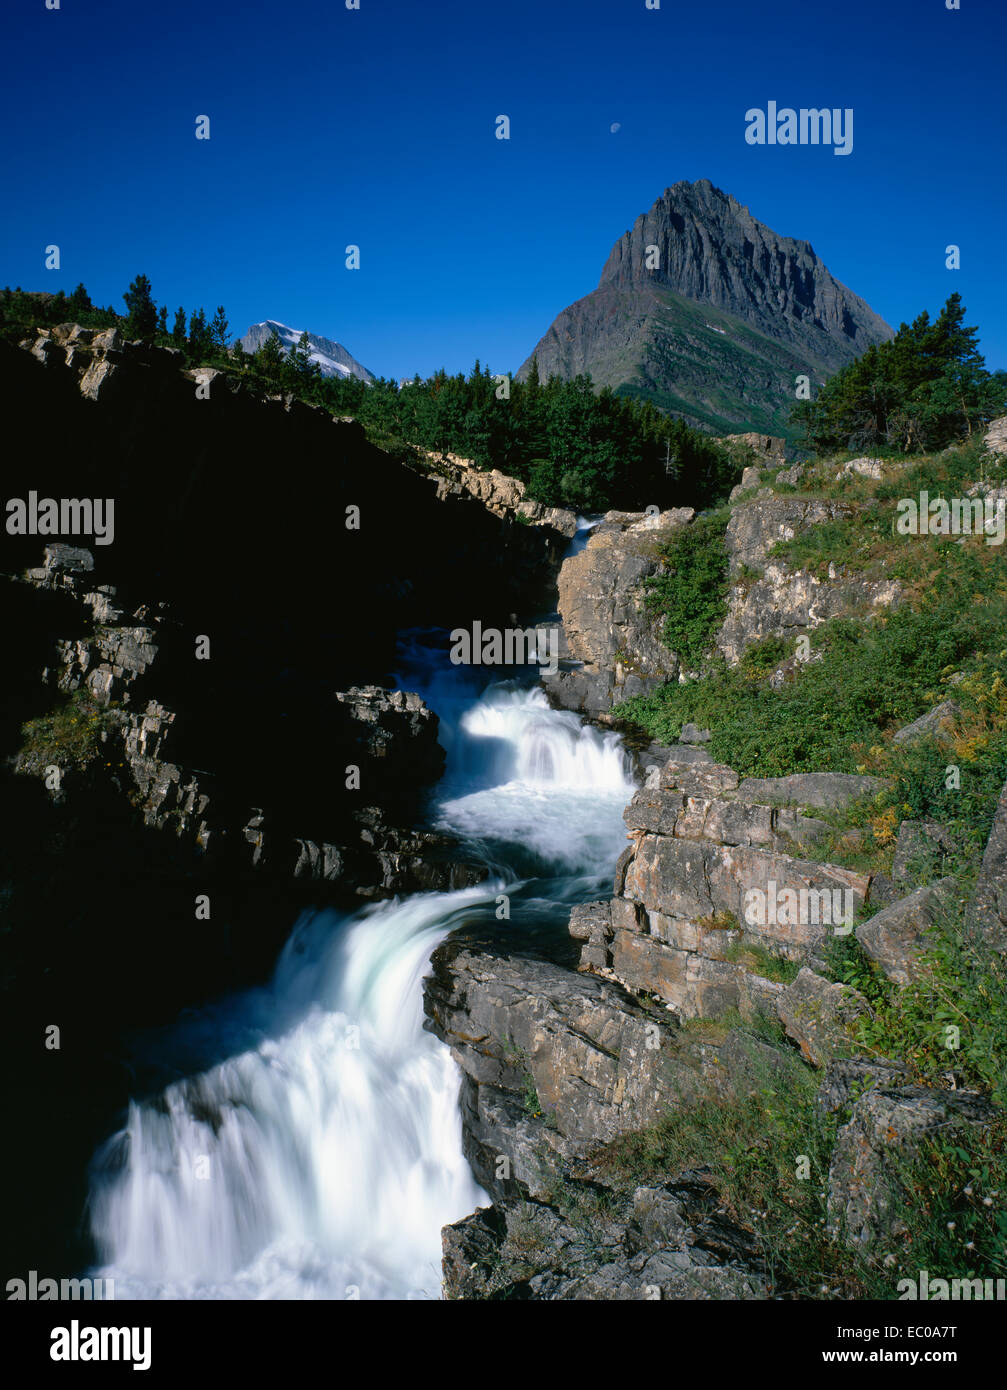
318 1151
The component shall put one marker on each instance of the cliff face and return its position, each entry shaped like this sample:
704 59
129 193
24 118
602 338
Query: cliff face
711 249
228 648
712 315
613 648
607 628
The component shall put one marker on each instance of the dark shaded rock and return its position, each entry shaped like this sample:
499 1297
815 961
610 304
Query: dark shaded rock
594 1243
392 730
884 1133
882 890
846 1078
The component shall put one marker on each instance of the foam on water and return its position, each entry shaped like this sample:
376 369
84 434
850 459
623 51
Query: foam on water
321 1157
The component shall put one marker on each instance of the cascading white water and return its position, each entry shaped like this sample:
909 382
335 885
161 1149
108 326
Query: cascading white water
322 1157
547 782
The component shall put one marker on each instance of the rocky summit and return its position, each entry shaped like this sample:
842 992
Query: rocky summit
332 358
711 314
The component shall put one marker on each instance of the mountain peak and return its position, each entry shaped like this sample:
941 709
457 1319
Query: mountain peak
707 311
333 359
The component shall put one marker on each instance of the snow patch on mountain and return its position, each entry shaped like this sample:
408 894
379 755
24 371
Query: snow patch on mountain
332 358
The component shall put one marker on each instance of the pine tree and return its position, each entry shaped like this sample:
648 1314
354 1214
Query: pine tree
269 359
304 373
142 321
200 342
178 329
220 329
162 321
80 303
924 389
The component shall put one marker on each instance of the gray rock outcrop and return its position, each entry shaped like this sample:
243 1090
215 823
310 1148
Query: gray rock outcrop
607 625
897 936
705 878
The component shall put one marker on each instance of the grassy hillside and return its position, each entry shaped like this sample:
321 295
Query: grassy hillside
713 369
947 640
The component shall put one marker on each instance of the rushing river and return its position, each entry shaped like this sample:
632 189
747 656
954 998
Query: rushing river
314 1148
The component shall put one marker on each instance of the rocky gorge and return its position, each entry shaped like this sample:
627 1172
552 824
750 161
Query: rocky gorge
208 749
191 730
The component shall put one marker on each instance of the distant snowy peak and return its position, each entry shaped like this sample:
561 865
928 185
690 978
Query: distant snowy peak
332 358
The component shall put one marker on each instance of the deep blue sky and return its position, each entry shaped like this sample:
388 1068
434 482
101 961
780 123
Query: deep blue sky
376 126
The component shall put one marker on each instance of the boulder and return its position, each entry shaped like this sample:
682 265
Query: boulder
920 850
862 468
696 776
883 1133
751 477
932 724
109 339
99 380
825 791
820 1016
896 937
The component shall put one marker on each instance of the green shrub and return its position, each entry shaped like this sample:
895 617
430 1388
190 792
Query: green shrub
691 589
